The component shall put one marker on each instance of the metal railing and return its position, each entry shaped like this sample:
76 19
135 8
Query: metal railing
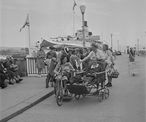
32 69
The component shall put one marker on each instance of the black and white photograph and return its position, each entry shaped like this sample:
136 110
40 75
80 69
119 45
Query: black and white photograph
72 60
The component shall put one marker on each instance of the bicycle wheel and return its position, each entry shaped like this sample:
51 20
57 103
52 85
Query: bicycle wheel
106 93
59 94
77 97
101 95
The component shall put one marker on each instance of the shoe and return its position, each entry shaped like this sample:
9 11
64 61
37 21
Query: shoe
20 79
4 85
11 83
108 84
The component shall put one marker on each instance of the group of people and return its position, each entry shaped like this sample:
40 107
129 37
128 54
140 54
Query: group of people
9 72
68 61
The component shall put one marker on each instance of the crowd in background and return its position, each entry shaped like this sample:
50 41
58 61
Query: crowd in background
74 59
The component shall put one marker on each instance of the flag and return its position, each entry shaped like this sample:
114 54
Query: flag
26 23
75 4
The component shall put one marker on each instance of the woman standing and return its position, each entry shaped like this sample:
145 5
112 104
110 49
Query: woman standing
40 61
132 61
110 62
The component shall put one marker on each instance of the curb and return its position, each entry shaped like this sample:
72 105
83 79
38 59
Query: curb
5 119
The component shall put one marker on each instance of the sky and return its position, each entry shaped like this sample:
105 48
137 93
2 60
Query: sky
125 19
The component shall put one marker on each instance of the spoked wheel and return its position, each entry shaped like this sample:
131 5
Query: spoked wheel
59 94
106 93
77 97
101 95
59 97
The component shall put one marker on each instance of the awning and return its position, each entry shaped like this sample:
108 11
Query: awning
46 43
72 43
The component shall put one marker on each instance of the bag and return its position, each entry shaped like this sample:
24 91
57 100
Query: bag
131 59
77 89
114 73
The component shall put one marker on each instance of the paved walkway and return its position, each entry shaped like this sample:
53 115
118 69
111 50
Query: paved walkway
18 96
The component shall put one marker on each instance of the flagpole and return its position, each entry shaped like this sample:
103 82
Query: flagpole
29 38
29 44
73 23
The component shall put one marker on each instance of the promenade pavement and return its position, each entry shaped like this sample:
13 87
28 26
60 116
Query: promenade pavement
126 103
18 96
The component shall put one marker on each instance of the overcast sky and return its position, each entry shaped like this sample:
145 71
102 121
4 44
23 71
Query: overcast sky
126 19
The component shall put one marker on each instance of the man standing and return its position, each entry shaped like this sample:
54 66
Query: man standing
52 57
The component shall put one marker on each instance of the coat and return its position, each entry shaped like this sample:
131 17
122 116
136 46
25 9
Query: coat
40 59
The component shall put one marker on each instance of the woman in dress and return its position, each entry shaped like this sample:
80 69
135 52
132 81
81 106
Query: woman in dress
132 61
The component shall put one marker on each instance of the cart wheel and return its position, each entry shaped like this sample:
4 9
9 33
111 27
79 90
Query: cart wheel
100 96
59 100
59 94
77 97
59 97
106 93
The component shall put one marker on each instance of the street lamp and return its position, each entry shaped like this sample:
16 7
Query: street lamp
111 41
82 8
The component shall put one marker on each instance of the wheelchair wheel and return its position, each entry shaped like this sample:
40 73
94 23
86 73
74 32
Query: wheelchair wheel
106 93
77 97
101 95
59 94
59 99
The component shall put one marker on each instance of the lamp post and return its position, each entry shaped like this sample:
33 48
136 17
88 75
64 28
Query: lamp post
111 41
82 8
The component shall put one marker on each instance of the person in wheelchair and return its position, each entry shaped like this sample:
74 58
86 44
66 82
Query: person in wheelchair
3 75
96 60
12 70
64 70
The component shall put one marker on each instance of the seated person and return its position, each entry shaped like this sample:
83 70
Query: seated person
63 70
95 56
3 75
75 61
12 70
